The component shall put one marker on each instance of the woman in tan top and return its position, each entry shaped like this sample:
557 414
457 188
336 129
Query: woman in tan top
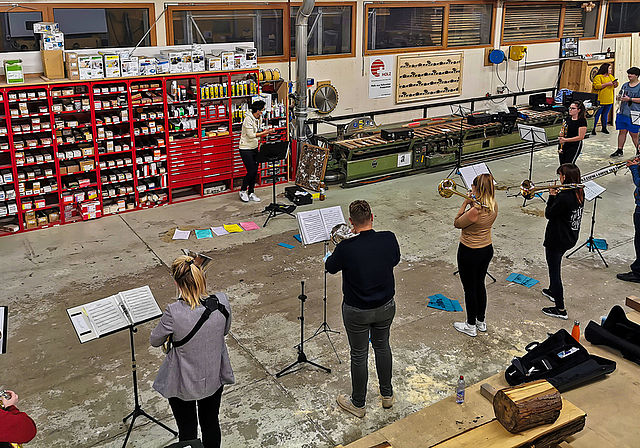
475 251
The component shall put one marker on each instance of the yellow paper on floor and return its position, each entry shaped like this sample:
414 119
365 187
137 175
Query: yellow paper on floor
232 228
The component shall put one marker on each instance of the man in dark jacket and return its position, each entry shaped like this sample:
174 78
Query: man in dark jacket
368 308
634 274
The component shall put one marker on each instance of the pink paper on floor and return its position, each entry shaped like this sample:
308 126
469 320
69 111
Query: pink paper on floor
249 225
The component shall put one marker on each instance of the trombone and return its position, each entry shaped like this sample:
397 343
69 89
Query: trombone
447 188
528 189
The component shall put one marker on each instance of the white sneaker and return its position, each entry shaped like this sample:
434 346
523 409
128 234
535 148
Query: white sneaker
482 326
465 328
244 196
254 198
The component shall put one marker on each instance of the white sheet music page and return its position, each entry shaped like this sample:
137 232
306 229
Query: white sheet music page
106 315
332 216
592 190
468 173
141 304
312 227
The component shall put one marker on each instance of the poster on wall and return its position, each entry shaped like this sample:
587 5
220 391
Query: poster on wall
428 75
380 76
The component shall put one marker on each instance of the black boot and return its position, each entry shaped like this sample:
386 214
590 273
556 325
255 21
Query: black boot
604 130
593 132
618 153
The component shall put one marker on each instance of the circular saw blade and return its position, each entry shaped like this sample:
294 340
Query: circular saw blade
325 98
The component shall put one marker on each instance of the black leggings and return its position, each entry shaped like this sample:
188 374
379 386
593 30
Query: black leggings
473 265
554 261
185 414
249 160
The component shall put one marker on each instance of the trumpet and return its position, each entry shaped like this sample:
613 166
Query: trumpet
447 188
563 132
528 189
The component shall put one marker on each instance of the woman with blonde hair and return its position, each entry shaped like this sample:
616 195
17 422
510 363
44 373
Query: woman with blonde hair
196 368
475 251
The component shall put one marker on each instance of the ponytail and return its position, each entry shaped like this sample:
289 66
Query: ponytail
190 280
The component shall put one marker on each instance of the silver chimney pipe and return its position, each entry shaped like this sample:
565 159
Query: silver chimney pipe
302 22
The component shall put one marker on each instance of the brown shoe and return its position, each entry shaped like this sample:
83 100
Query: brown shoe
387 402
344 401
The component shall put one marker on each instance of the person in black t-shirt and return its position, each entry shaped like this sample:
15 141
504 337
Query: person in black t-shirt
575 130
564 212
368 285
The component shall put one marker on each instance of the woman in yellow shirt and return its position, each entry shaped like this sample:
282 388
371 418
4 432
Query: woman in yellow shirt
604 84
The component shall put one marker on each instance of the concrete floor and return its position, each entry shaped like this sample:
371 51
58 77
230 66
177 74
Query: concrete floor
78 394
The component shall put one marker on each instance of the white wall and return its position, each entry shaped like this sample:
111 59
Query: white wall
350 75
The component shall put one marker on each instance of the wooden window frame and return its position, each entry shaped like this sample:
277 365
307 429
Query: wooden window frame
445 25
354 22
563 7
286 12
604 31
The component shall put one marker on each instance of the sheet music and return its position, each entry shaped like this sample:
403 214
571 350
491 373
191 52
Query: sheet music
592 190
80 324
141 304
106 315
311 226
469 173
316 225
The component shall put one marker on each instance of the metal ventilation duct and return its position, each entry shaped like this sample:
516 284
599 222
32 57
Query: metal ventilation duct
301 112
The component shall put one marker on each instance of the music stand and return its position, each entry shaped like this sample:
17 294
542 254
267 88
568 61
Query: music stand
534 135
592 192
462 112
274 152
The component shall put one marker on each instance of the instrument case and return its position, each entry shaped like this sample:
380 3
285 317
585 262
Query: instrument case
396 134
479 118
298 195
617 332
561 360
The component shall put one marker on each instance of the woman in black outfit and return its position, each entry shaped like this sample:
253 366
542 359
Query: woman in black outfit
564 212
575 129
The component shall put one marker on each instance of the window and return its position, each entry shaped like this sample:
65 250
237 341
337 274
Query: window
263 27
102 27
579 21
329 30
469 25
531 23
623 18
391 27
16 29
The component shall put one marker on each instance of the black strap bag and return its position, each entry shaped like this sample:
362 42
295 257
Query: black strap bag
617 332
561 360
211 304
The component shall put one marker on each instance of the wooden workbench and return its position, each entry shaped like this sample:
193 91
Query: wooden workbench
612 406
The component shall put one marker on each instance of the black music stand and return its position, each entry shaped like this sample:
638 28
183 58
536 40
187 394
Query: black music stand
273 152
534 135
302 357
462 112
590 243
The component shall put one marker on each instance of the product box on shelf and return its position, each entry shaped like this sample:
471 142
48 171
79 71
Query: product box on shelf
13 71
214 63
239 60
175 60
147 66
84 66
228 61
186 61
53 41
197 60
97 67
111 65
46 28
53 63
162 66
129 66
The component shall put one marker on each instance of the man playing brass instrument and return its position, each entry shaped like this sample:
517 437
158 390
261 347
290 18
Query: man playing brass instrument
634 275
368 308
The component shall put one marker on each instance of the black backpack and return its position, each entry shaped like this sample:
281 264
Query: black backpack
561 360
617 332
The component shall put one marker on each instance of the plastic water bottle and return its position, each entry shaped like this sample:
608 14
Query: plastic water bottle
460 390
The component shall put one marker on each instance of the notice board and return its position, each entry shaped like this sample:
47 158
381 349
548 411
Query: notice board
426 76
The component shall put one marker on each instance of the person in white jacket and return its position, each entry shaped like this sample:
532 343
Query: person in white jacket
249 143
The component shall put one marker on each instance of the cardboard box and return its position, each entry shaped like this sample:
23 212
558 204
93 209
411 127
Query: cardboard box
54 41
129 66
111 65
174 59
162 66
228 60
53 63
147 66
70 57
97 67
54 216
86 165
197 61
46 28
31 223
13 71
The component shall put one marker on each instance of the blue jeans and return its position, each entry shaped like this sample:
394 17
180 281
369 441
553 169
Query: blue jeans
635 267
364 325
604 111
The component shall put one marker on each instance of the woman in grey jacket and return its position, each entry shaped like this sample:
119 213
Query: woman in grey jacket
194 373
